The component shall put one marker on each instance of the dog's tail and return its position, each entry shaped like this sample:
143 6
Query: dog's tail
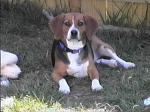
48 15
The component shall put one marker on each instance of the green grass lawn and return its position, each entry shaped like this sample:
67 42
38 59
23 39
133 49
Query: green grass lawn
35 91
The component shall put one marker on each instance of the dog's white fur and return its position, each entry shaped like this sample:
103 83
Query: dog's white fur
75 68
96 85
9 69
64 87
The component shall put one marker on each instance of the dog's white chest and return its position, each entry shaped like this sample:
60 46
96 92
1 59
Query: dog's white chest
75 69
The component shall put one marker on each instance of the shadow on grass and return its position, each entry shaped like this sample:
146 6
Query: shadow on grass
32 42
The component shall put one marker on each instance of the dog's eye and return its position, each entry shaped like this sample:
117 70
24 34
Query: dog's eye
67 23
80 23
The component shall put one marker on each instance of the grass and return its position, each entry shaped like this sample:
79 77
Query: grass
31 40
33 104
27 104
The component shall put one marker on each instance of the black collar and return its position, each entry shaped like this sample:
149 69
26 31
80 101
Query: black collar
61 46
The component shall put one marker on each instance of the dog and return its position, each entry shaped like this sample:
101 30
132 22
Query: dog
76 49
9 69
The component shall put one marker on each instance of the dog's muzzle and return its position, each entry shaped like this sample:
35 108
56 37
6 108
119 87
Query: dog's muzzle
74 34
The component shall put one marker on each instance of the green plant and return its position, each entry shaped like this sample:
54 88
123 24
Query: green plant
124 16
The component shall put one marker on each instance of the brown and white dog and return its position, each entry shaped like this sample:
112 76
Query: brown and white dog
76 49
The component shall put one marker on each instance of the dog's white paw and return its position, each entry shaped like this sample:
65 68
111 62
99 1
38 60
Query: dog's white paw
64 87
128 65
96 85
64 90
4 82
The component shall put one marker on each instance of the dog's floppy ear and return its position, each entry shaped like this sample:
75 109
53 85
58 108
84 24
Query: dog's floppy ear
91 26
56 26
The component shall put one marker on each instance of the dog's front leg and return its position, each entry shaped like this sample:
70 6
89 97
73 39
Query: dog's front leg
58 76
63 85
94 76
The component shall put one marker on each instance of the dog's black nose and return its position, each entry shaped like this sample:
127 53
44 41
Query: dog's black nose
74 33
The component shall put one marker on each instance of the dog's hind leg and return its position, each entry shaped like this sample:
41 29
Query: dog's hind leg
101 49
110 62
105 51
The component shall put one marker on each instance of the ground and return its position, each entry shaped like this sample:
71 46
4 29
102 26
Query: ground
32 42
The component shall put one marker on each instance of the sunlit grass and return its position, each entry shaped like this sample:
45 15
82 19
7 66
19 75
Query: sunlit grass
33 104
27 104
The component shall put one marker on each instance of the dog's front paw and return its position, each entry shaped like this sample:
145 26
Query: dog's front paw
64 90
64 87
96 85
128 65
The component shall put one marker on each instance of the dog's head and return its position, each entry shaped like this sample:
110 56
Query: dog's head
73 28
